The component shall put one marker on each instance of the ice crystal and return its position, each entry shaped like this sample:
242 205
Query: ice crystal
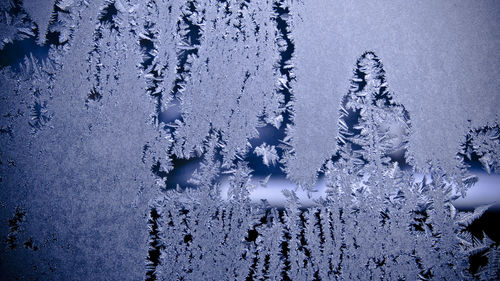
381 113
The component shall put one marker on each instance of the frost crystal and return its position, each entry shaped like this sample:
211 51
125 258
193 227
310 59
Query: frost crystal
232 78
268 153
136 137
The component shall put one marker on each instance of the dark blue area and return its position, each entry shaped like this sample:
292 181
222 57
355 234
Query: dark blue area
171 114
107 16
13 54
182 172
271 136
147 46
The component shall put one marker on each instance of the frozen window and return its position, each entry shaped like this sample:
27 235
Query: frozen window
249 140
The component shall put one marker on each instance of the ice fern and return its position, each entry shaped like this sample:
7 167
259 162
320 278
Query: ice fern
115 96
483 145
268 153
14 23
395 229
377 222
371 123
232 78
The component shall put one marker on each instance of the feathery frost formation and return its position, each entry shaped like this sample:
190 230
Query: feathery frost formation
115 97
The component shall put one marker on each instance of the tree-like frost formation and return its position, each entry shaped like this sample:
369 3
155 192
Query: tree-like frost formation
135 135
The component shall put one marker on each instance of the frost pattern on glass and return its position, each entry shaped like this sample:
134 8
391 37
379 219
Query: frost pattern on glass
371 124
483 144
438 64
231 88
75 123
268 153
422 235
14 23
380 121
370 205
41 13
312 136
